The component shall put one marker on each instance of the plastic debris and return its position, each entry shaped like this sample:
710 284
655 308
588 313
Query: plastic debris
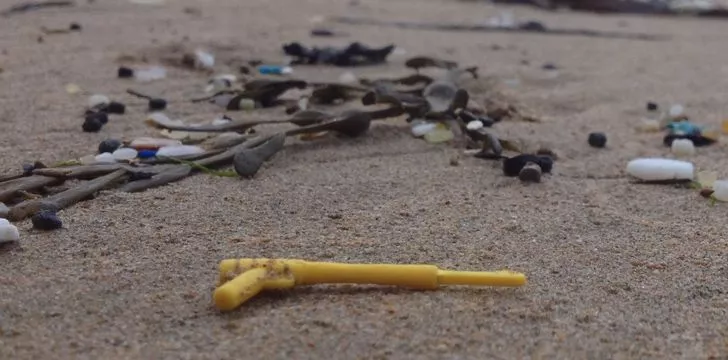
150 74
706 179
676 110
720 190
660 169
683 147
649 125
204 59
274 70
179 150
124 154
8 232
353 55
420 127
241 279
439 134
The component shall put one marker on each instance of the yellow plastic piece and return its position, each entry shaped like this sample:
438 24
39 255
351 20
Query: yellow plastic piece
241 279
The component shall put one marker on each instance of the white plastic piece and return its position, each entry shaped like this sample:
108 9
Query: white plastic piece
475 125
220 121
150 74
8 232
660 169
105 158
720 190
153 143
124 154
97 100
683 147
422 128
676 110
180 150
286 70
204 59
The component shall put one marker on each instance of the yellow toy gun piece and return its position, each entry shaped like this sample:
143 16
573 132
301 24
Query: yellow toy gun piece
241 279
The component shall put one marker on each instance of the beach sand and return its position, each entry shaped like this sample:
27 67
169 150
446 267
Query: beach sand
616 270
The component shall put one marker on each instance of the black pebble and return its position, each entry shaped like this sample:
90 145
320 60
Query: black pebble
46 220
109 145
597 139
651 106
115 108
125 72
697 139
75 26
549 66
92 123
512 166
157 104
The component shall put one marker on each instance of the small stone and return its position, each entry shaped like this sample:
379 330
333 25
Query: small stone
98 100
549 66
109 146
157 104
125 72
660 169
597 139
124 154
475 125
204 60
74 26
322 32
8 232
4 210
221 121
513 166
46 220
72 88
651 106
115 107
92 124
146 154
179 150
683 147
105 158
248 161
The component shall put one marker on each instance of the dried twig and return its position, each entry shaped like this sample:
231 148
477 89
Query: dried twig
9 189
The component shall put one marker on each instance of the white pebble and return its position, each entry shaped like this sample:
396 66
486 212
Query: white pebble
4 210
105 158
683 147
98 100
649 125
150 74
180 150
676 110
124 154
422 128
204 59
475 125
287 70
8 232
659 169
720 190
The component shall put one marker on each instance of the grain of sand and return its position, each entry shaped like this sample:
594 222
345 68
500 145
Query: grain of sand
616 270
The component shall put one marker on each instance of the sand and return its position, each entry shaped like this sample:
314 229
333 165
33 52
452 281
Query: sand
616 270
